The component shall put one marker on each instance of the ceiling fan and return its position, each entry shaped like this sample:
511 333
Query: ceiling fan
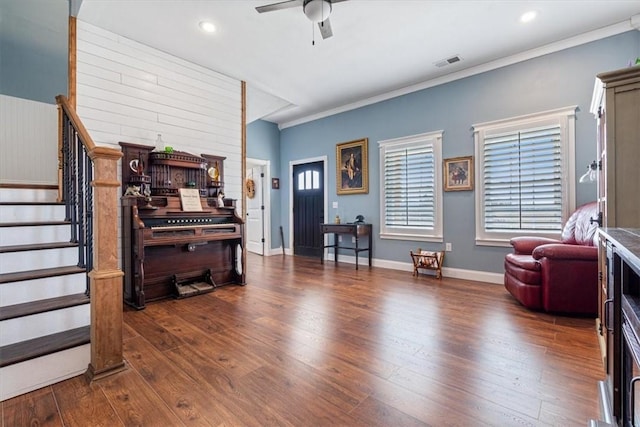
316 10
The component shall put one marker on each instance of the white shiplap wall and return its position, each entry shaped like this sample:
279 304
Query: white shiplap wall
130 92
28 141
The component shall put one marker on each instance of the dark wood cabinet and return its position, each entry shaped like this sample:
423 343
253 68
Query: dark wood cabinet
616 105
620 392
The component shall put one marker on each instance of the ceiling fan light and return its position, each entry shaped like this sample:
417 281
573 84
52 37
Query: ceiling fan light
317 10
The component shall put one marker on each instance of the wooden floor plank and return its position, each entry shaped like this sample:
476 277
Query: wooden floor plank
237 406
135 402
79 402
37 408
376 413
144 326
176 389
310 344
298 403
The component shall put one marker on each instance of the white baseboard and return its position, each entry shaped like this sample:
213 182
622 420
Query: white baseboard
278 251
33 374
456 273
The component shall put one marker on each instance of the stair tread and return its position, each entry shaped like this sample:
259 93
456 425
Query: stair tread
32 203
37 246
39 274
33 223
41 346
42 306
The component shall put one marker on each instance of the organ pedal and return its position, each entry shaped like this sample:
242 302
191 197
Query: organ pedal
189 285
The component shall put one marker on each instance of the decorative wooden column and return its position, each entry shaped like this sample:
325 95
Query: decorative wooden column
71 89
106 277
243 87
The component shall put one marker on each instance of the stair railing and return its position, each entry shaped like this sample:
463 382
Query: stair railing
75 168
88 185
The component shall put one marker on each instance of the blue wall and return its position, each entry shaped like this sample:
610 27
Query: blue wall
552 81
33 47
263 143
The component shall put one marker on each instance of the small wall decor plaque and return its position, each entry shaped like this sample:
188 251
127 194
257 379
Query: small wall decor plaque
458 174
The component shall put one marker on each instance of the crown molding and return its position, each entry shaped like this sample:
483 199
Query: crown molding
581 39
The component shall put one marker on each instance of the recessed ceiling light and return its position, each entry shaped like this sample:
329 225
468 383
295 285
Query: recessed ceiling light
207 26
528 16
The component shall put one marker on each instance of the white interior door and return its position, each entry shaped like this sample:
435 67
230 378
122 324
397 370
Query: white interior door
255 212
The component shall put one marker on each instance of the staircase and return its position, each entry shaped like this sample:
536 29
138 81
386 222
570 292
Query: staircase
44 311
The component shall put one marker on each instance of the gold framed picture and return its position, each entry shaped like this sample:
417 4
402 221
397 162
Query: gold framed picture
458 173
352 168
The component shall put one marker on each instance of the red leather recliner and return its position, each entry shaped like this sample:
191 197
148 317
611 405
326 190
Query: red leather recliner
559 276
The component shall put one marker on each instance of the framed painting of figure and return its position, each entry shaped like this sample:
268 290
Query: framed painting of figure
458 173
352 169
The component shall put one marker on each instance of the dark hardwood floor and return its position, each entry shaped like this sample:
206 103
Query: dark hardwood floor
308 345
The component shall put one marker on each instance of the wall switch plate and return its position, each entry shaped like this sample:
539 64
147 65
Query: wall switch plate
447 247
335 205
353 239
339 238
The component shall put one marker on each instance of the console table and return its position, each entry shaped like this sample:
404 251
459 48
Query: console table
354 230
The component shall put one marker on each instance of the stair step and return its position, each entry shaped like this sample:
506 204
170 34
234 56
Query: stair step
35 193
39 274
33 223
42 306
34 232
41 346
31 211
18 258
31 203
73 281
33 374
36 247
37 325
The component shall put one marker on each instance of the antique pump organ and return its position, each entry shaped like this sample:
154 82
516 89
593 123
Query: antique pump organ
174 245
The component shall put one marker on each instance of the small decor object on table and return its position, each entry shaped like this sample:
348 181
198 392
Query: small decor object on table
428 260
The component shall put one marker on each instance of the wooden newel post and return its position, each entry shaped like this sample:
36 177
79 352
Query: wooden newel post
106 277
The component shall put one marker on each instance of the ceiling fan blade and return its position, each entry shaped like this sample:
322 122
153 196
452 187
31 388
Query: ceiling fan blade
278 6
325 28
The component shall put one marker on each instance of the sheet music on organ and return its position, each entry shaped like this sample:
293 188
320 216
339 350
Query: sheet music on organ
190 199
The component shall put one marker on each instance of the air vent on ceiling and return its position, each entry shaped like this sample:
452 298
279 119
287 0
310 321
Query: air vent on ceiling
448 61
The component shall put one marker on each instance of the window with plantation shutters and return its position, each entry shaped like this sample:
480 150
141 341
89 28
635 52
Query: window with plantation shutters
523 184
410 183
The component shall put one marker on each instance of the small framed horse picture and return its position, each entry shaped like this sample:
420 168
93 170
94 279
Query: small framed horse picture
458 173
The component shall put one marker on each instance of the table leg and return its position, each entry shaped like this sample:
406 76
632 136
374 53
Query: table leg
335 248
357 251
